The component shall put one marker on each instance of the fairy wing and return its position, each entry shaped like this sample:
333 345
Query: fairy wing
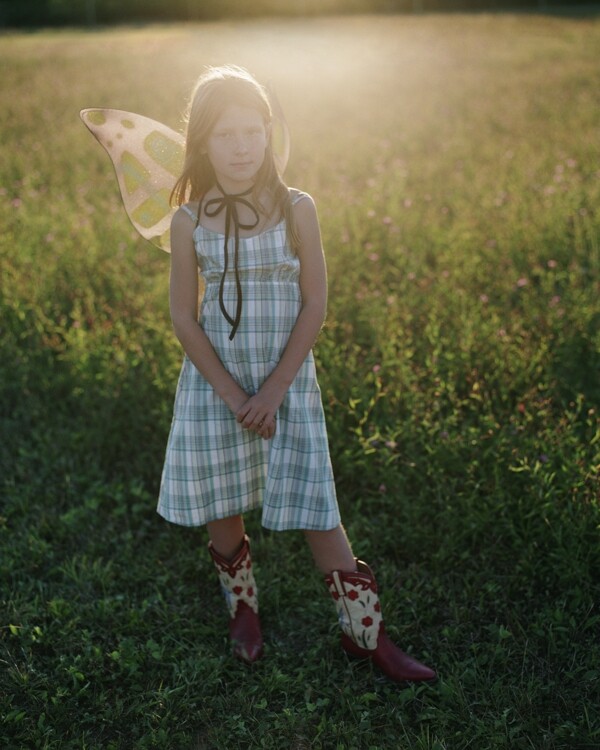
148 158
280 133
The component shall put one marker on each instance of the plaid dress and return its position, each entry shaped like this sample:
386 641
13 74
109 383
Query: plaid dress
214 468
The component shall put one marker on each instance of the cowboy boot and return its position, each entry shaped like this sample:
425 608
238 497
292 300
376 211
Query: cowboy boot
238 585
363 631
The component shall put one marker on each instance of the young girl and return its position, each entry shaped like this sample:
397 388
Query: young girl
248 426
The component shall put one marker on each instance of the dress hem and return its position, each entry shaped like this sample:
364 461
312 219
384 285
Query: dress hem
263 524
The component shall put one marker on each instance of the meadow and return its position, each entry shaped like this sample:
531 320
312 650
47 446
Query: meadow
455 164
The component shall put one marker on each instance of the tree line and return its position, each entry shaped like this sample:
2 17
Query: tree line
91 12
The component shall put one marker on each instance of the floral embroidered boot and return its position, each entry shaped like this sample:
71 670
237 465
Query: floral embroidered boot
238 585
363 632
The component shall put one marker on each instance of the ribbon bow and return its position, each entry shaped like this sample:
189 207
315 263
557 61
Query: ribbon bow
213 207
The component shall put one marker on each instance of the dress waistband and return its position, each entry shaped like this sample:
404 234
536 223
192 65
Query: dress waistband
255 282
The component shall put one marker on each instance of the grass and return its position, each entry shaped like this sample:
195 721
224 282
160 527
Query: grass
454 160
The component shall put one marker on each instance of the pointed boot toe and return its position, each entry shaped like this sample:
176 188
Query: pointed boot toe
245 634
397 665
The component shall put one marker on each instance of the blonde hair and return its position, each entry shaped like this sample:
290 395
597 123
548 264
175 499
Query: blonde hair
215 90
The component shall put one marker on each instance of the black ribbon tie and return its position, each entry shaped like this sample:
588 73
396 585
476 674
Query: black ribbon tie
213 207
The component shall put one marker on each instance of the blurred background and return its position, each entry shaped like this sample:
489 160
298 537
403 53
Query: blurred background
91 12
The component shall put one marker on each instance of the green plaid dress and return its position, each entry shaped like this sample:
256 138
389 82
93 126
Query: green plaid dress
214 468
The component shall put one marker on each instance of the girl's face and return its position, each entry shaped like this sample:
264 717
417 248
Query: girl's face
236 147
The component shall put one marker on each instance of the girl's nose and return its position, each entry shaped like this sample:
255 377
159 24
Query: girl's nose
241 145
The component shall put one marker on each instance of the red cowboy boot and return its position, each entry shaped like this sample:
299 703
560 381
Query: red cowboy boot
363 632
238 585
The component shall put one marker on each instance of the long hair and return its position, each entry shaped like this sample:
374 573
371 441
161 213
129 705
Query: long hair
215 90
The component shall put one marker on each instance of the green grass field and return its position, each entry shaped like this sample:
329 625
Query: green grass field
455 164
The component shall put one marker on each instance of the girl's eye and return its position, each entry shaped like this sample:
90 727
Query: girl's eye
228 135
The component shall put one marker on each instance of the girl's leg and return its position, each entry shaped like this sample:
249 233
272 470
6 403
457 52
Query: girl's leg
331 550
227 535
230 550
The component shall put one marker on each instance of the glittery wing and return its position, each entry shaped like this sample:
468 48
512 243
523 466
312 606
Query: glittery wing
148 158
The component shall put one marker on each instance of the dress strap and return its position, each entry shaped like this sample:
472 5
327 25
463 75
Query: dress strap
190 213
297 195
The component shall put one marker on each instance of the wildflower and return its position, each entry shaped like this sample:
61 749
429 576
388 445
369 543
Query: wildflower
387 220
551 263
382 488
411 276
543 458
16 202
522 282
376 368
391 444
408 202
370 213
444 435
521 408
373 257
555 300
484 298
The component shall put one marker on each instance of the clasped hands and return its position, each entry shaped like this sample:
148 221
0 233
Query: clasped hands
257 413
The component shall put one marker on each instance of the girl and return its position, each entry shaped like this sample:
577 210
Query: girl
248 425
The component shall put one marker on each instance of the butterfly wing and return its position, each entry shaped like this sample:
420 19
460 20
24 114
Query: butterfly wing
148 159
280 133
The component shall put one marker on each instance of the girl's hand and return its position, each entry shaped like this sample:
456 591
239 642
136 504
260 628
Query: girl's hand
258 413
259 420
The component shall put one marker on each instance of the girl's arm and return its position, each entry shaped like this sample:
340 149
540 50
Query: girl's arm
313 286
184 314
